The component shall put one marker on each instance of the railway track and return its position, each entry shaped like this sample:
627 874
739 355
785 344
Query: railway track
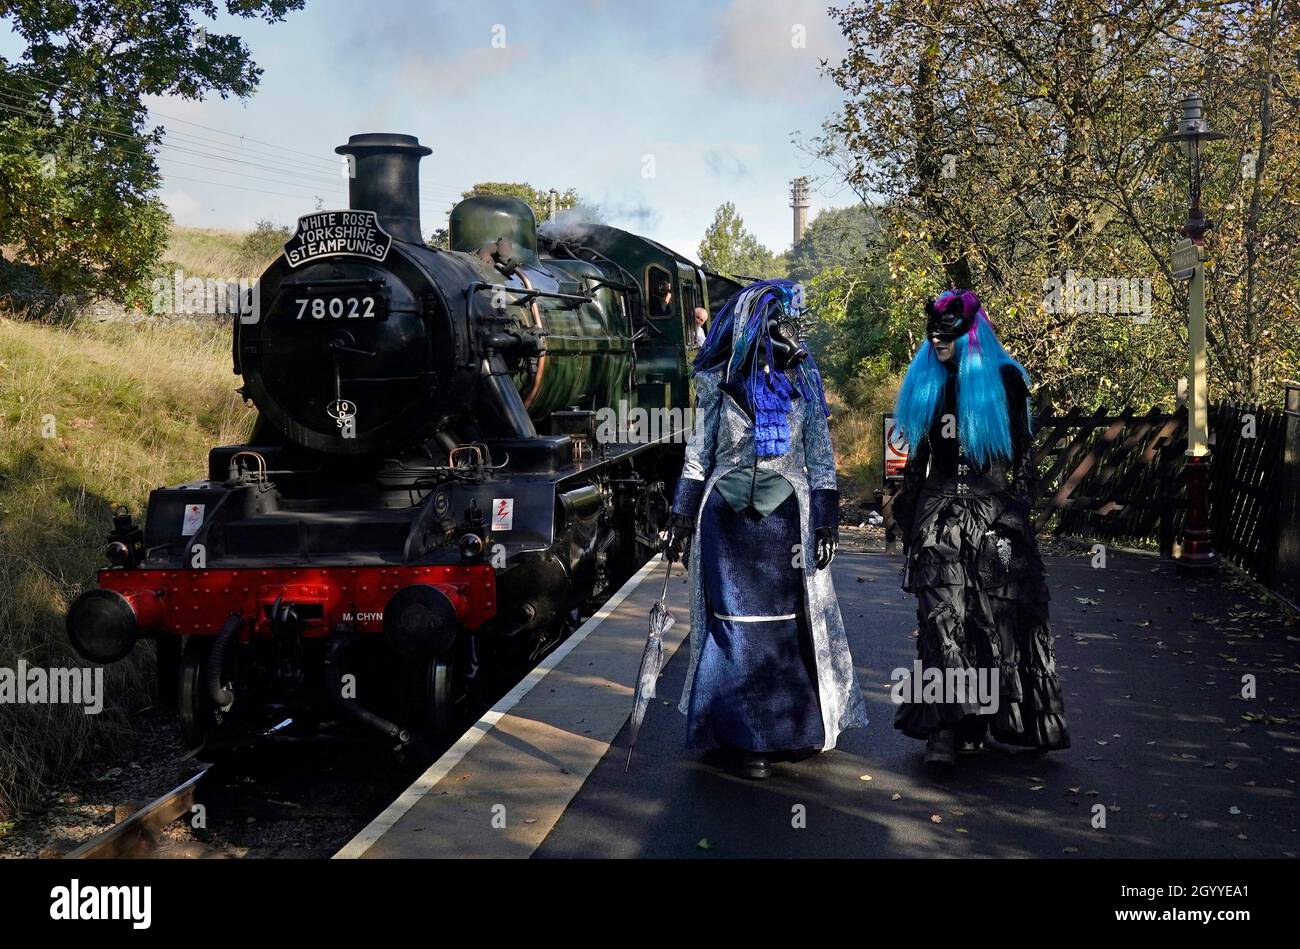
303 807
138 835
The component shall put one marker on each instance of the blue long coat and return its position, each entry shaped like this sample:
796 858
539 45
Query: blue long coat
722 441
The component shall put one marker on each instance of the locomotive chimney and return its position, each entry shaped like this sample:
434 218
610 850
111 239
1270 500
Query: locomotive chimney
385 178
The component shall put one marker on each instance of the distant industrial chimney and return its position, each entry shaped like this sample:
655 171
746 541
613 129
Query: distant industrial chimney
799 201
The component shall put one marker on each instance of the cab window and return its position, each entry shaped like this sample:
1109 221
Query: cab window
659 292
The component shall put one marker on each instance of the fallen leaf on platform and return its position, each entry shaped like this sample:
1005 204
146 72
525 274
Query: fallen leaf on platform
1234 810
1037 787
961 830
1069 850
864 777
705 844
936 819
895 796
530 820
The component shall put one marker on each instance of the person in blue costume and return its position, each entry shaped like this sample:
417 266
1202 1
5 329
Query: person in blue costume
770 673
971 552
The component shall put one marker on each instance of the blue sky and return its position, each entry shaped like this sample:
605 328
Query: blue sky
581 92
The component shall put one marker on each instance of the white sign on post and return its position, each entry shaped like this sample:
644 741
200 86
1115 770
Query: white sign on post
1184 259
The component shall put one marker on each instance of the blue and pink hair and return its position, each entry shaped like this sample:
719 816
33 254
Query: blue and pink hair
983 416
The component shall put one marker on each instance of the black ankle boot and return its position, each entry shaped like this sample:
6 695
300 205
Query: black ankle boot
941 748
750 764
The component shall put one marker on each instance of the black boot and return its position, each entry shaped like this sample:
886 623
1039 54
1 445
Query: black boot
750 764
941 748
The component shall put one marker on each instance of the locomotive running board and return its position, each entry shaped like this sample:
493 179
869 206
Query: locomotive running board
533 751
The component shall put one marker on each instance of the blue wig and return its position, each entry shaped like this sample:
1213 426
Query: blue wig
983 419
728 348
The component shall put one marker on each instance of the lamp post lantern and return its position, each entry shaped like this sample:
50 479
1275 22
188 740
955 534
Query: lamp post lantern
1188 263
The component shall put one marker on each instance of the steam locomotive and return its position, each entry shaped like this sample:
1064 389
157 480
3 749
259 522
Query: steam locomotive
441 478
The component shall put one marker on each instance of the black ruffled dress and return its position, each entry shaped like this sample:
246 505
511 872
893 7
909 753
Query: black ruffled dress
973 564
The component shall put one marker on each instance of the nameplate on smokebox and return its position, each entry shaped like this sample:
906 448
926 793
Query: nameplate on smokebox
330 233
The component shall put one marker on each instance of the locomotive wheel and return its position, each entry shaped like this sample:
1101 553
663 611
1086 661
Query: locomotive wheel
442 696
199 717
192 701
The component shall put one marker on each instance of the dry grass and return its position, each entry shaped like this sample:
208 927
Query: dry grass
207 252
858 434
127 407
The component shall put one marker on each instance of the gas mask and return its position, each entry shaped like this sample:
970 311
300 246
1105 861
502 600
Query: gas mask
787 345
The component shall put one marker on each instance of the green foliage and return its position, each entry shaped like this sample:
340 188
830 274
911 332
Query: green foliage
728 248
77 172
265 242
836 237
539 199
1008 148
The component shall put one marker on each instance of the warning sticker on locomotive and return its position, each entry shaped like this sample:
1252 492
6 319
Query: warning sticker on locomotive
503 514
330 233
193 519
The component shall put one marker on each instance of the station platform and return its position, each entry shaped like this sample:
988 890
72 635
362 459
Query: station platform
502 787
1168 758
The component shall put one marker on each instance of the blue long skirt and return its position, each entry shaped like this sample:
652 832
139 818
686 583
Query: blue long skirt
755 686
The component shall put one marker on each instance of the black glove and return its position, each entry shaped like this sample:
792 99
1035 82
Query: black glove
677 544
827 540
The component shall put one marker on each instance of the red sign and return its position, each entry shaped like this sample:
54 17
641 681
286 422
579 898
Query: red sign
895 449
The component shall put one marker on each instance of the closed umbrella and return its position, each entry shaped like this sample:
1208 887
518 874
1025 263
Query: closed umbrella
652 660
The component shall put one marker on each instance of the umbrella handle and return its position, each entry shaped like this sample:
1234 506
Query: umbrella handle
667 576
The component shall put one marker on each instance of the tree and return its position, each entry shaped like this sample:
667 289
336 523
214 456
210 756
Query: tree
1014 142
538 199
835 237
77 170
264 243
728 248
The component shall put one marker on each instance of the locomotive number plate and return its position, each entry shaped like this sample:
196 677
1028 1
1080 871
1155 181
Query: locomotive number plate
337 307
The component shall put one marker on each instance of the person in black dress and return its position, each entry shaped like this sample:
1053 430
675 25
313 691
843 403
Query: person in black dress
972 557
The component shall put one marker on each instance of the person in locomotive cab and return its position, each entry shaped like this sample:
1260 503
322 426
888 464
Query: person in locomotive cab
701 328
661 297
971 555
770 673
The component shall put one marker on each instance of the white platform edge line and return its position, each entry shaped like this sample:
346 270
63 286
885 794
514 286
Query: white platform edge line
369 835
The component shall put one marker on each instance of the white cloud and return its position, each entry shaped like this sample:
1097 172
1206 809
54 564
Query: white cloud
757 50
184 207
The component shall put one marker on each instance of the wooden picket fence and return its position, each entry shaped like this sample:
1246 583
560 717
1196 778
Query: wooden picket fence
1118 477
